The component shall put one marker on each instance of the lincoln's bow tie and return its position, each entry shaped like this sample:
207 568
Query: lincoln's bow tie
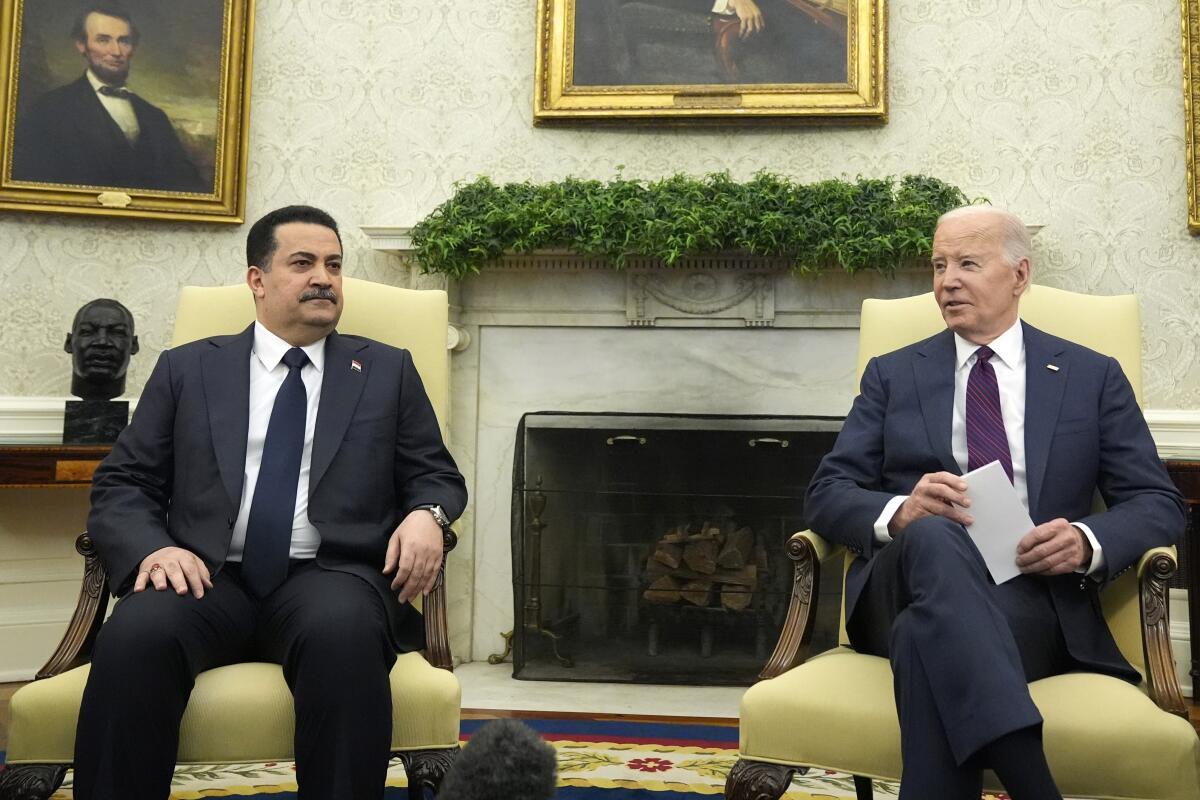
115 91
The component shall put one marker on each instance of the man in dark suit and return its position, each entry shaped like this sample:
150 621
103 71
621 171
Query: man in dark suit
274 492
1063 423
96 132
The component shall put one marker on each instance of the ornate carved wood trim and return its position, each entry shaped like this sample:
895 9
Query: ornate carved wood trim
797 628
31 781
426 769
1162 681
76 645
437 631
758 780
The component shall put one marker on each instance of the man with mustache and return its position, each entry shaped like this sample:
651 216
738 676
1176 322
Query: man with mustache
1063 423
95 131
280 495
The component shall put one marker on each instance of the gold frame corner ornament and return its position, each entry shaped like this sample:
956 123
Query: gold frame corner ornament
862 99
1190 10
227 201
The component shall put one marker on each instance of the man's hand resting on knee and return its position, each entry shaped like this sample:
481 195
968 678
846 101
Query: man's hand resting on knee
1053 548
937 493
414 553
180 569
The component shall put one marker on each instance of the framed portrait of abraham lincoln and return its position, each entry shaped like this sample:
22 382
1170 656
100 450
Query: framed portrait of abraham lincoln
136 108
647 60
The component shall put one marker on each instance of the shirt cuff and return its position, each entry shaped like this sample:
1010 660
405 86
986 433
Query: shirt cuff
721 7
881 525
1097 552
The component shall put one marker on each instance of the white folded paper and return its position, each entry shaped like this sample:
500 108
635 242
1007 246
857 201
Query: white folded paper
1001 521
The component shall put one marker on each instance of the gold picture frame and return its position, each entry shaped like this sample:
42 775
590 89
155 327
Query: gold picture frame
143 113
1191 104
814 60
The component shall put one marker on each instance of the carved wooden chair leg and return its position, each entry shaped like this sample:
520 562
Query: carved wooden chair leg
862 788
31 781
757 780
425 769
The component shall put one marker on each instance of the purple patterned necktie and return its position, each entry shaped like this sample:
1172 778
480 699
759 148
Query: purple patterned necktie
986 439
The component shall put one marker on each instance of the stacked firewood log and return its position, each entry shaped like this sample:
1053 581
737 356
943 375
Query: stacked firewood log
710 564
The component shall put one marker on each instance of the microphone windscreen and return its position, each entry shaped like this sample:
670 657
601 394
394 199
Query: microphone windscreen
504 760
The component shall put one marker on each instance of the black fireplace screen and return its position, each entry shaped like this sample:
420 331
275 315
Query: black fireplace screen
650 548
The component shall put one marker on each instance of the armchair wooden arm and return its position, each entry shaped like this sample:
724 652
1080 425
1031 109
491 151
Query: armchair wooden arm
808 551
1155 569
437 634
76 645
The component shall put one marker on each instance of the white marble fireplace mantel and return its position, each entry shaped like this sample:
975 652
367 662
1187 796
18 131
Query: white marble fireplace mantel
564 289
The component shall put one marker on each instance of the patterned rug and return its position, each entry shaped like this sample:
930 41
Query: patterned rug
598 759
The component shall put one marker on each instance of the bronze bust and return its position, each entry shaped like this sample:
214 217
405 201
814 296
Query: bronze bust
101 342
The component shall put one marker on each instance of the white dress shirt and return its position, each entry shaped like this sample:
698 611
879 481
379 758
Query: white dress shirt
119 108
1009 365
267 373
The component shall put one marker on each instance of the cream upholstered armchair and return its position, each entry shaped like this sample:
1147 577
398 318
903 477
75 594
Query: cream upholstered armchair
1104 738
243 712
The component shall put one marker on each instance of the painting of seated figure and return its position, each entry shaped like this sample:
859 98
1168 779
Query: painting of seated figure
647 59
699 42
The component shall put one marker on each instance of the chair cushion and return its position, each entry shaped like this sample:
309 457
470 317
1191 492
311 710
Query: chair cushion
242 712
1104 737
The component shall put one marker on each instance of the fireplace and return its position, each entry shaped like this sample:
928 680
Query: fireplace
649 548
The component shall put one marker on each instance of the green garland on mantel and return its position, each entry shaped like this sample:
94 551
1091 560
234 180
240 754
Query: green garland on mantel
867 223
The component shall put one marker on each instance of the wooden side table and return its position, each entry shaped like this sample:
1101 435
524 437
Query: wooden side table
1186 475
45 465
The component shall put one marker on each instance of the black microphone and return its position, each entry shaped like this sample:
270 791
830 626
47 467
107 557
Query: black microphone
504 760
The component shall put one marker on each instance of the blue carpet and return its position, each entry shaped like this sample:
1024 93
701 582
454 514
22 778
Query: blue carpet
598 759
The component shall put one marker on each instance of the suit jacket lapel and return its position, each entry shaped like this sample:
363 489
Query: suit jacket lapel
1043 397
226 369
933 371
96 124
341 386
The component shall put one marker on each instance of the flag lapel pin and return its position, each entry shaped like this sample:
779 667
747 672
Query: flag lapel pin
355 365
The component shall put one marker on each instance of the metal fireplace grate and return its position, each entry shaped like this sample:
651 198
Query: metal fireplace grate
650 548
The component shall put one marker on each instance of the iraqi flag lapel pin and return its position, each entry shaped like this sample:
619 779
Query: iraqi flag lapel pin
355 365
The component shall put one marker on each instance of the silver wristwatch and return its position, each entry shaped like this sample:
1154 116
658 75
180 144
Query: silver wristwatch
439 515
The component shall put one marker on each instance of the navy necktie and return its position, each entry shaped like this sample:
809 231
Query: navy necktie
269 527
987 440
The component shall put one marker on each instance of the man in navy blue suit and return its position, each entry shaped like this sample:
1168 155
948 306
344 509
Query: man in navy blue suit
94 131
279 496
1063 423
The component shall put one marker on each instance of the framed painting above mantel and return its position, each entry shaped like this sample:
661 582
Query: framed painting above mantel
140 110
648 60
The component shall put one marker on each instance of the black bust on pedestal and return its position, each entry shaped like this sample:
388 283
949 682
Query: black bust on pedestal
101 342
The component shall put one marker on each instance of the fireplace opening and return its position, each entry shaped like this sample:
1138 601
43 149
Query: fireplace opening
649 548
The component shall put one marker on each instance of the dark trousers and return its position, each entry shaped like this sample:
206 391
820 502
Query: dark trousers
962 651
328 631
